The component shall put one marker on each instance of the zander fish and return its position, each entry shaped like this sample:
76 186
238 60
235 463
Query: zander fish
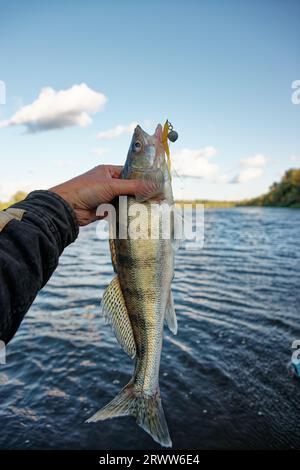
139 298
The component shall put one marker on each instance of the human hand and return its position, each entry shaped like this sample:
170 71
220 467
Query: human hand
100 185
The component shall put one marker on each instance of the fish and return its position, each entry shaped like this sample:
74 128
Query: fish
139 299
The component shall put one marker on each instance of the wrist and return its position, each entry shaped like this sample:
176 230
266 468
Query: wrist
64 194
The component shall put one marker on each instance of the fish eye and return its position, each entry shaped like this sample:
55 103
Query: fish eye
137 146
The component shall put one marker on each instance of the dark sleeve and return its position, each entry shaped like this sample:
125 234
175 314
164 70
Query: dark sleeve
29 253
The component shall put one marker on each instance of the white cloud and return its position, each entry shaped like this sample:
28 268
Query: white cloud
295 158
117 131
256 161
223 178
195 163
248 174
58 109
252 169
99 151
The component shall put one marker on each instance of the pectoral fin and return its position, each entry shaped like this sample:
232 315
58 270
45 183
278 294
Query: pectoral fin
114 310
170 315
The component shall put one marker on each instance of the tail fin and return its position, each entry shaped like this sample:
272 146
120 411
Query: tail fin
148 412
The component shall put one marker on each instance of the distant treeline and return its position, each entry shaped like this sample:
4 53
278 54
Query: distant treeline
15 198
207 203
286 193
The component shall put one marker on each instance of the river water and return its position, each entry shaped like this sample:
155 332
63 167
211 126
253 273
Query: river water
224 381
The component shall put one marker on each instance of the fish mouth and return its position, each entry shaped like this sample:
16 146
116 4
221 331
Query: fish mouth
158 132
138 131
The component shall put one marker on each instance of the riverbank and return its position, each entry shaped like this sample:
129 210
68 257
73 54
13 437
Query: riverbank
208 204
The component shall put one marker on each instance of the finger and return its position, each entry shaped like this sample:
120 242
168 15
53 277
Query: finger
133 187
115 170
86 217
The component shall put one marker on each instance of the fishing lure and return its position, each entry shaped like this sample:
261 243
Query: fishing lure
168 134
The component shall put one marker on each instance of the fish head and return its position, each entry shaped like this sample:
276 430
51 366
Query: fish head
146 158
146 151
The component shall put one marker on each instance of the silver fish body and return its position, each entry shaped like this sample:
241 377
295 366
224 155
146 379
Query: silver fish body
145 270
139 299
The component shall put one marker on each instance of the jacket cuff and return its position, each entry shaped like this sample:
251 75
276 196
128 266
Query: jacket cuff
55 211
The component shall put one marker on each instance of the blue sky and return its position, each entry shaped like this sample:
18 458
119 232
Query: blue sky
220 71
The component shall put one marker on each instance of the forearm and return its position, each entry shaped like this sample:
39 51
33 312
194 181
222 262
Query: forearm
29 252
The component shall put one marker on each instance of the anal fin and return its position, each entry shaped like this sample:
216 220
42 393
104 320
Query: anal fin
170 315
114 311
